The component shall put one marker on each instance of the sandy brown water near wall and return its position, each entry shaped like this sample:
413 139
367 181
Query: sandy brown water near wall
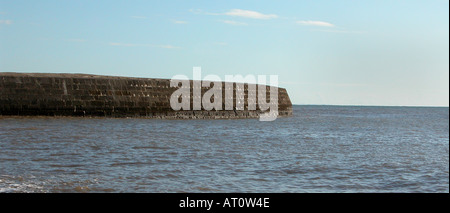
47 94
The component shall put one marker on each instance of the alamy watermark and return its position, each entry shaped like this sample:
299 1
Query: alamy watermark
181 98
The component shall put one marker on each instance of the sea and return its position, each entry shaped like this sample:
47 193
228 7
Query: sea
320 149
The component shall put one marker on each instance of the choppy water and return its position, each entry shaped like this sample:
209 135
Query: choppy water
319 149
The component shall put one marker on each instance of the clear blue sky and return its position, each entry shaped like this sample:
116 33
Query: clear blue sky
380 52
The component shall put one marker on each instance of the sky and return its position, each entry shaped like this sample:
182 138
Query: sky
371 52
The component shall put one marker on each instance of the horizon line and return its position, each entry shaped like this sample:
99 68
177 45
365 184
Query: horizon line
362 105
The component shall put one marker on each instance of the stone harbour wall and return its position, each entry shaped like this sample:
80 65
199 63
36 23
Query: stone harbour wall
45 94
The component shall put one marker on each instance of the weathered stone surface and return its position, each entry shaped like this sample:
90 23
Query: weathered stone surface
48 94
